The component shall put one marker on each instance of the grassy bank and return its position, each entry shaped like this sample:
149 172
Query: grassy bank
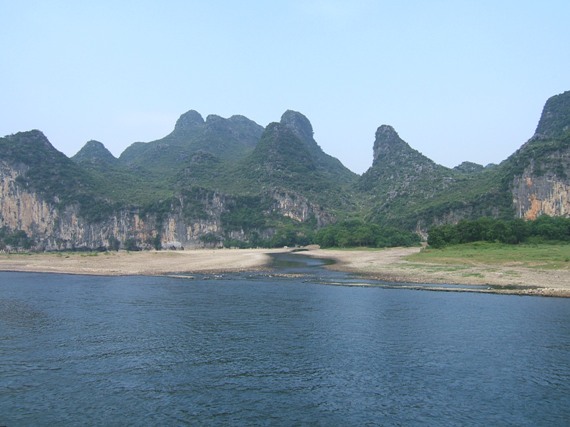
538 256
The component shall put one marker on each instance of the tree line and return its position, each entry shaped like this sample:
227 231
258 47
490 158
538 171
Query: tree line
357 233
544 228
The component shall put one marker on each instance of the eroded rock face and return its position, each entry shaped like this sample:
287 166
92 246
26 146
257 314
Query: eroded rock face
543 187
299 124
544 194
297 207
189 121
21 209
387 142
55 227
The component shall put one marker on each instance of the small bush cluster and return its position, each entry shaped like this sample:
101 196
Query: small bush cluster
14 240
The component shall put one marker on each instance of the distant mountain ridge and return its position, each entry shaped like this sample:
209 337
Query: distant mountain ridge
555 118
232 182
94 152
224 138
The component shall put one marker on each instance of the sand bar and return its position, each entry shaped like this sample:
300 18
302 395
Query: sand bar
389 265
125 263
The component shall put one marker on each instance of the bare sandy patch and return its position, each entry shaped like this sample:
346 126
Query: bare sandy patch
140 263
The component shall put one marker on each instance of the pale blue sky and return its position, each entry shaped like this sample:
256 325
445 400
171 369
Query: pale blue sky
459 80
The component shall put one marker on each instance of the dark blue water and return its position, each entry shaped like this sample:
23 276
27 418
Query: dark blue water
274 350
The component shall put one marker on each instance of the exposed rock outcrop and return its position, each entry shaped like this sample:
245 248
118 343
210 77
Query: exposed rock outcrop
541 194
230 180
541 181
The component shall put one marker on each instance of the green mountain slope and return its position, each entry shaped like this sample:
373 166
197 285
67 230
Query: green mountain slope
51 174
118 183
406 189
234 181
329 166
555 118
94 153
287 158
227 139
401 180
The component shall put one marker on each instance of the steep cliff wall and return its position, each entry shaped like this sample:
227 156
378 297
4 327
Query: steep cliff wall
54 228
189 218
298 208
543 185
21 209
535 194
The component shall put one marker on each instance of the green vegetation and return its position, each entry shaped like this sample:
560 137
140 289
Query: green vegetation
353 233
245 213
555 116
543 154
542 255
14 240
281 161
406 189
515 231
249 181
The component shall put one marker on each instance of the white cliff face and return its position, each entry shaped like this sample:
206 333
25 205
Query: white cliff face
21 209
54 227
298 208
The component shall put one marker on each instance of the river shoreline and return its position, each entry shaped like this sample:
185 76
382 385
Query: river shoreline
392 267
389 266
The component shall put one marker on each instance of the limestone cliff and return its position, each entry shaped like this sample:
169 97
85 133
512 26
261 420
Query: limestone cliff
231 182
540 195
541 181
543 185
188 219
92 201
55 227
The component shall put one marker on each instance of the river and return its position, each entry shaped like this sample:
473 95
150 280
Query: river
284 348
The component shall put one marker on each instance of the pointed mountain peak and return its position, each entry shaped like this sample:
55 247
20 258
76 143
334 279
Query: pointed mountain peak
94 152
302 129
282 140
188 121
95 146
32 137
387 134
32 140
387 142
213 118
555 119
299 124
469 167
280 154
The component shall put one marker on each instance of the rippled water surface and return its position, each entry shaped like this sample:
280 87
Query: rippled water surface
276 350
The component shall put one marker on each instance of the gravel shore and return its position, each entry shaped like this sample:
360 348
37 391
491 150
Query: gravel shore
388 265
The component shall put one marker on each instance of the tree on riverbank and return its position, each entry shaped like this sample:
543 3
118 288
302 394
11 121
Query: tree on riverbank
355 233
543 229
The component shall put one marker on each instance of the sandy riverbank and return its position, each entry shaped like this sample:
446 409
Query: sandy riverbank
140 263
388 265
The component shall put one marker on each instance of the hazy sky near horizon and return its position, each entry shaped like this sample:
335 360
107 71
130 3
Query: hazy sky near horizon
458 80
